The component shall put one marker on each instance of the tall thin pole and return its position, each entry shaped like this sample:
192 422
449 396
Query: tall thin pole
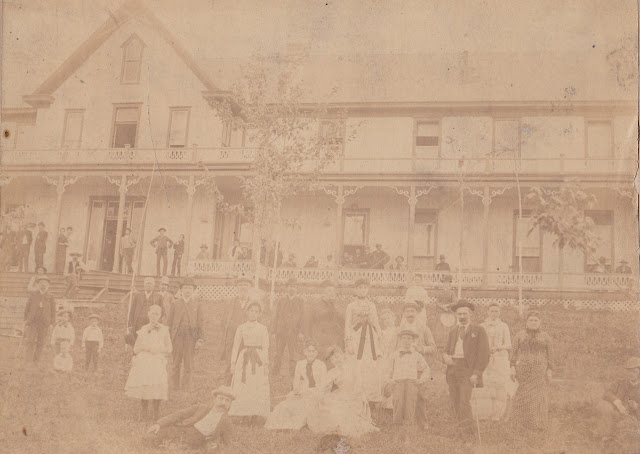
460 254
139 248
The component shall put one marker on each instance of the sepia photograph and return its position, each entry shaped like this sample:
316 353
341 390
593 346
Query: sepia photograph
319 227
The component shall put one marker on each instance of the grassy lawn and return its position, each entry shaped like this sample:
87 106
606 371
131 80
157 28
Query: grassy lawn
46 412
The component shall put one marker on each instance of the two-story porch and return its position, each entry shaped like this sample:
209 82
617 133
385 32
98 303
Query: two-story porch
415 216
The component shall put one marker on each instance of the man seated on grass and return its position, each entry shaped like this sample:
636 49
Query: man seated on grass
620 403
202 426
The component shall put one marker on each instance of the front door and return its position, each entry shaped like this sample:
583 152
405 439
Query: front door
108 244
103 226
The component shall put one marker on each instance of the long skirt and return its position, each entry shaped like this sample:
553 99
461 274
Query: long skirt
148 377
491 399
337 413
251 389
531 402
291 414
367 366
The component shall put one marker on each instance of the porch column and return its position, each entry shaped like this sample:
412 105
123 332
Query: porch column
339 228
61 184
122 189
486 202
123 186
191 191
214 215
59 191
413 200
560 268
191 184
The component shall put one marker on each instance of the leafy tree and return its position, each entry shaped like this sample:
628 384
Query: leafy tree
562 214
290 150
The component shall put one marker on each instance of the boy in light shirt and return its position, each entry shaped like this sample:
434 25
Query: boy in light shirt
409 371
92 342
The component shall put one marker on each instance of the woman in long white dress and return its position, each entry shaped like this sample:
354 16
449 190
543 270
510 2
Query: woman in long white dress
250 368
148 379
309 374
341 406
362 340
497 375
388 341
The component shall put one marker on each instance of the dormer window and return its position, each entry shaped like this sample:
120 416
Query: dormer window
131 60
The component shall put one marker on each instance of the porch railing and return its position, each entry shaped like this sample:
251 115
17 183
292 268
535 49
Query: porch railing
434 279
128 155
223 155
219 268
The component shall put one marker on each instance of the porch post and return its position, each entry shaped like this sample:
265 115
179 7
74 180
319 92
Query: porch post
122 189
412 224
339 229
214 216
560 268
191 190
486 202
59 190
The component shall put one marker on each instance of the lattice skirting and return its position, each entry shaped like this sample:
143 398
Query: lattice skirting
218 292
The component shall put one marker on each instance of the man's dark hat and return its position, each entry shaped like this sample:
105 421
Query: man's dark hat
362 281
188 281
244 280
162 229
327 283
463 303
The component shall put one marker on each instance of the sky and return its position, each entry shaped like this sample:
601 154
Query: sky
39 34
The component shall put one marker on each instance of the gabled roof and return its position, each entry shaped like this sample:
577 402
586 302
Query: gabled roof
43 95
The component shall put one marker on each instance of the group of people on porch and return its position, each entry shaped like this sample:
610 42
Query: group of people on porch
342 364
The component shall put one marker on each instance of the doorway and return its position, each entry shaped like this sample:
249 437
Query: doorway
103 227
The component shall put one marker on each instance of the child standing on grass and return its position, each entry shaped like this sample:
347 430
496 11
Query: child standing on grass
409 371
63 330
148 379
92 341
63 362
250 368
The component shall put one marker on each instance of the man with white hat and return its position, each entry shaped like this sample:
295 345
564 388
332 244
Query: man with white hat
39 316
201 426
620 401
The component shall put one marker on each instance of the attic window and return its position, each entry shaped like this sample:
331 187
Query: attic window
131 60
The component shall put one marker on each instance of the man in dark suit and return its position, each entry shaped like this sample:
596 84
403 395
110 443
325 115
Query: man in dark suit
201 426
25 238
234 316
178 251
162 243
287 326
39 315
40 245
186 328
466 356
140 305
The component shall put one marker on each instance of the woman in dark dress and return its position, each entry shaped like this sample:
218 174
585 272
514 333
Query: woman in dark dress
532 366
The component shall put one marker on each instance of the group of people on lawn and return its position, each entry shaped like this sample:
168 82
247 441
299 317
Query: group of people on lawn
350 363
